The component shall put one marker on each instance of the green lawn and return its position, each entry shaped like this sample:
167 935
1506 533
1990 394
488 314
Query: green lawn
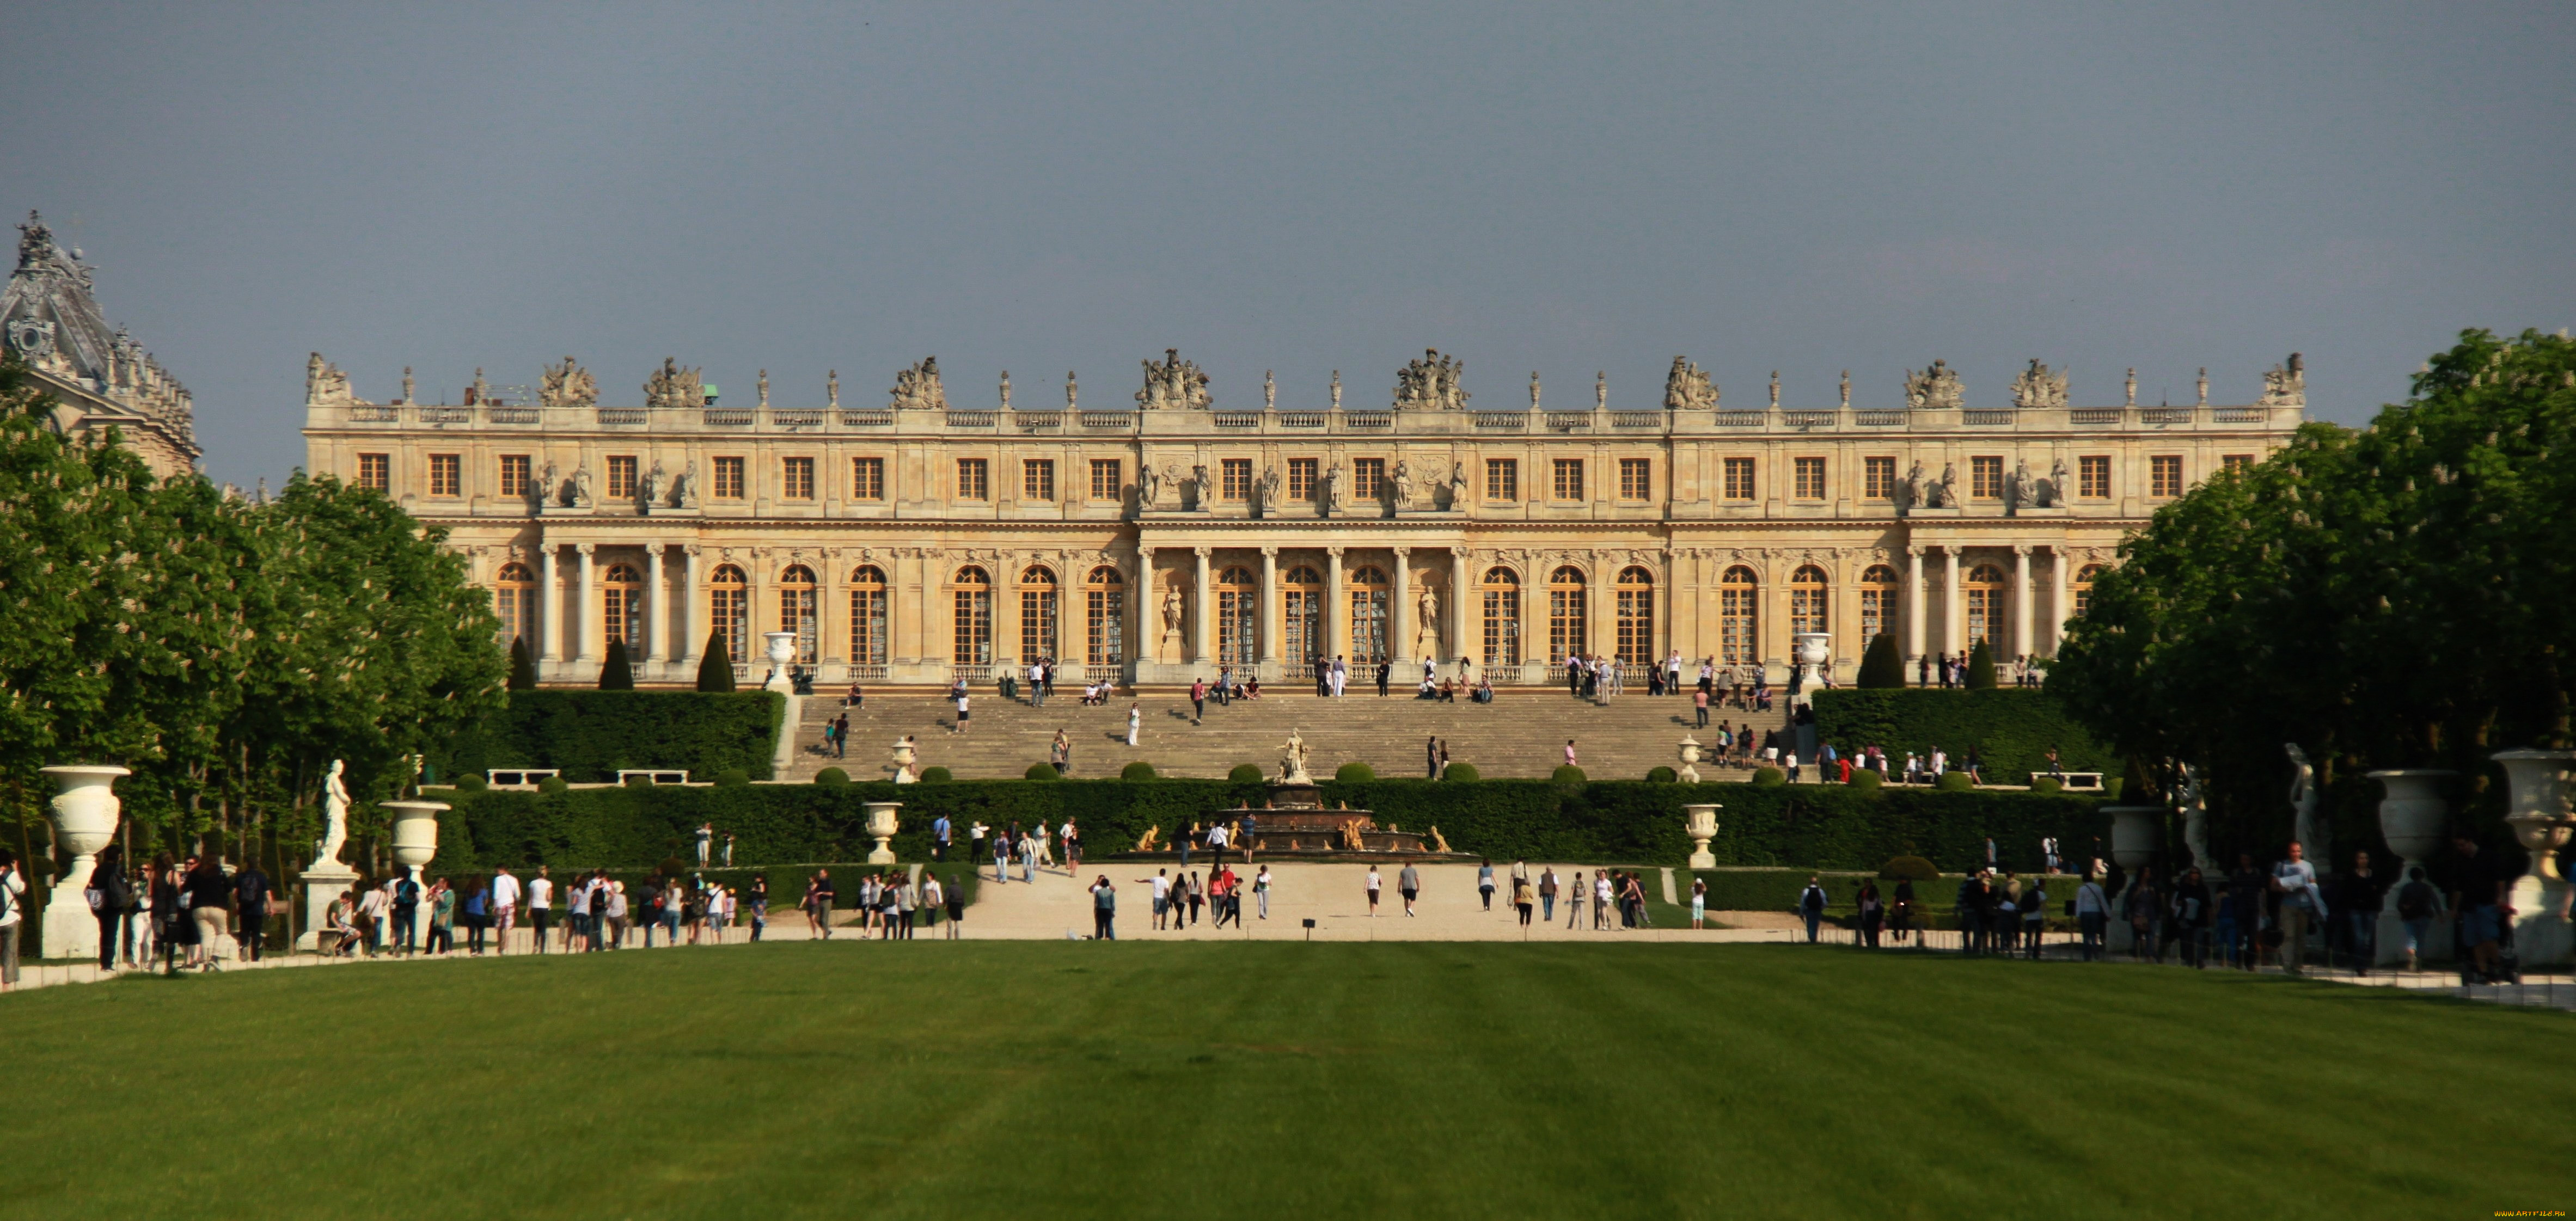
1262 1080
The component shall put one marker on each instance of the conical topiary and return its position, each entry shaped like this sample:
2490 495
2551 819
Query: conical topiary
616 673
715 670
523 667
1882 666
1981 668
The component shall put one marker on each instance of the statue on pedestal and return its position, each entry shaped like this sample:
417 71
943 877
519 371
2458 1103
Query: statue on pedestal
335 819
2305 827
1292 760
1426 635
1403 484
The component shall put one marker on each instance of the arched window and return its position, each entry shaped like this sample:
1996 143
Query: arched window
1877 603
2083 588
617 605
1368 593
1566 635
799 611
1739 616
1502 617
1238 620
514 599
1104 598
1985 587
972 644
1037 613
1807 600
868 616
1301 606
729 609
1636 592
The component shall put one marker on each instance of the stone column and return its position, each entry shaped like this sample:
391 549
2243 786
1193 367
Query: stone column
550 604
2057 607
586 634
1336 613
1270 613
1203 610
1462 594
1914 593
1399 614
657 611
2021 601
1954 627
1147 621
934 654
693 624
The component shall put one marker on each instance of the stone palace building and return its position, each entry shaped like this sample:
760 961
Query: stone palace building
909 538
99 377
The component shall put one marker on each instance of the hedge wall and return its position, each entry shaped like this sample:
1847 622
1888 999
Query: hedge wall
1805 826
2012 729
591 734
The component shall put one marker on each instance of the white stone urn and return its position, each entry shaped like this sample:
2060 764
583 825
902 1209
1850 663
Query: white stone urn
1702 825
2136 831
84 815
782 650
2411 819
881 825
415 832
2537 810
1809 650
1690 759
906 758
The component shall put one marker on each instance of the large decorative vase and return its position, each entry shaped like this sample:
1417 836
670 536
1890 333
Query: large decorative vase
906 759
1702 824
1690 760
881 826
1809 648
415 832
2411 819
2136 832
2536 809
782 650
84 816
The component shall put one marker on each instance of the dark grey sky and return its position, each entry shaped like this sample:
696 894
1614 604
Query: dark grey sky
1297 187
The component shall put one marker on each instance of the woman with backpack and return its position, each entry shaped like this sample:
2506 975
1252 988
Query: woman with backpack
111 899
477 911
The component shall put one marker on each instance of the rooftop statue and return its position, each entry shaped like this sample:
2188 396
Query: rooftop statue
917 388
2286 384
1936 387
673 386
1173 383
1431 383
1687 388
325 385
567 385
2037 386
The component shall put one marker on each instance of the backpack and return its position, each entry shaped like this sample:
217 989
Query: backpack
2415 901
407 892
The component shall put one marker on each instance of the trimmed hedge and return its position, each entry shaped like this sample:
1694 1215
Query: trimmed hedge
1461 772
2012 729
590 735
1811 826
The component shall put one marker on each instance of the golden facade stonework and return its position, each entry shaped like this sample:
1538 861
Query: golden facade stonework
913 538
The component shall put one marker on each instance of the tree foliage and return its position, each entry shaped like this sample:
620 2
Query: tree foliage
715 666
1882 665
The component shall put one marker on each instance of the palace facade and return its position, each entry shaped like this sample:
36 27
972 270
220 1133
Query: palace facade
910 539
98 377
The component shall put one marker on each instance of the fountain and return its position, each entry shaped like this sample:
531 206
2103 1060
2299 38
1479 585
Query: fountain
1294 822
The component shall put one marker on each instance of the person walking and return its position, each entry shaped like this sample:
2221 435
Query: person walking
1384 669
1431 757
1104 910
963 713
113 903
2417 902
1135 722
1699 704
251 894
13 901
1374 885
1198 701
2356 905
1072 838
2190 916
541 905
2034 917
954 896
1408 882
1547 894
706 837
1261 891
1699 886
1484 887
1811 907
476 910
506 892
818 903
1161 896
2092 917
1002 846
2302 908
1196 895
442 918
1060 753
2479 902
1523 900
1602 892
1575 892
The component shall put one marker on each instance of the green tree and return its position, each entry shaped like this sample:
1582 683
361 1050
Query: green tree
1882 665
523 665
715 668
1981 668
616 673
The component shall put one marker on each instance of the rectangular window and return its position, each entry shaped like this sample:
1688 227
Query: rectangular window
796 478
728 484
1238 478
2164 475
1301 477
1105 480
2236 462
867 478
376 472
1877 478
1986 478
446 475
514 474
1739 479
971 484
621 478
1636 479
1808 477
2093 477
1502 479
1569 479
1368 478
1037 478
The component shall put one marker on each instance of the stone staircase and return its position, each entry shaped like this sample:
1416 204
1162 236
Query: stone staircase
1521 734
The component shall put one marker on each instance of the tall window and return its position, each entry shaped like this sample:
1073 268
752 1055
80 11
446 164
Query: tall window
1105 481
376 472
1986 478
1037 479
1807 478
621 477
1301 606
1877 478
2093 477
1877 602
1237 479
796 479
1368 596
1807 600
1301 478
1636 479
729 609
972 644
1565 619
867 478
514 598
618 604
2083 588
729 480
1636 591
2164 475
799 611
1569 479
1985 588
446 475
1739 616
868 616
1238 619
1502 617
1368 478
1104 604
1739 479
1502 480
514 475
970 480
1037 613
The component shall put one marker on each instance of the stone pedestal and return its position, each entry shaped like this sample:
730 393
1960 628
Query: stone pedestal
84 816
322 884
2411 817
2135 833
2537 811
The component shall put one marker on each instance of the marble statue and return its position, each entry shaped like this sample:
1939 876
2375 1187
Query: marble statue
581 497
1426 618
1333 487
1174 383
1533 389
1601 390
2020 490
917 387
1913 487
1149 486
1846 389
480 391
2057 489
1945 494
1403 484
1686 388
832 389
2305 825
1431 383
1006 390
1458 486
549 489
1201 488
684 488
649 489
325 385
2195 820
407 390
2203 385
1269 488
2038 386
764 388
563 385
1269 392
673 386
1170 482
335 818
1775 390
1171 618
2284 385
1934 388
1072 392
1292 760
2131 388
1337 390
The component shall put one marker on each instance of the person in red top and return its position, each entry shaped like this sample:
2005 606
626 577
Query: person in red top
1223 890
1198 701
1844 764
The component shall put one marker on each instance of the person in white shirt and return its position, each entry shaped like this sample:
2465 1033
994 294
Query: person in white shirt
584 893
2092 915
505 906
1600 899
13 896
1216 837
541 907
1135 722
1162 884
1374 885
2302 908
1261 890
371 905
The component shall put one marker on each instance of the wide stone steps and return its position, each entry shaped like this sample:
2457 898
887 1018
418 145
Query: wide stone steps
1520 734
